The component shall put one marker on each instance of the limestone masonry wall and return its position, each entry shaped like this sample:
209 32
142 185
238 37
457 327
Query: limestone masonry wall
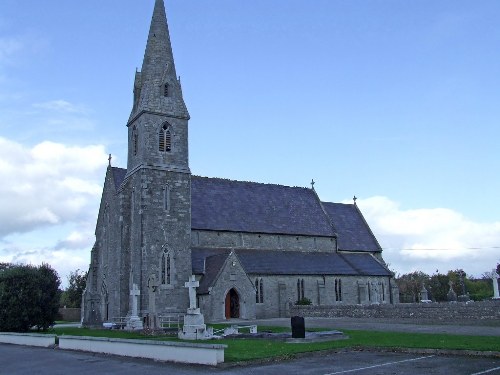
461 311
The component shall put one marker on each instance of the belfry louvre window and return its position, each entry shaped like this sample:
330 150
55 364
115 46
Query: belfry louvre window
134 140
165 142
165 89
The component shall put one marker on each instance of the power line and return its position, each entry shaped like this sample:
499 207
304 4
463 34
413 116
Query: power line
445 249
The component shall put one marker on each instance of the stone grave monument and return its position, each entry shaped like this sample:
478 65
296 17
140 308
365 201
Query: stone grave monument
494 278
298 327
152 321
452 296
194 327
424 294
134 322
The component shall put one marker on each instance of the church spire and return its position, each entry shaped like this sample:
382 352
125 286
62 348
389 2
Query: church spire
157 88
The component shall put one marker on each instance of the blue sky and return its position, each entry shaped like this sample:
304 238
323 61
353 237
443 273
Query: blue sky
394 102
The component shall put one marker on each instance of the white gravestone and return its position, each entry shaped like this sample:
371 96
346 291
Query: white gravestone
134 322
494 278
194 327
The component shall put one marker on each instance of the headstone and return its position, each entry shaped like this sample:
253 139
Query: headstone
152 320
494 278
452 296
194 327
424 295
134 322
298 327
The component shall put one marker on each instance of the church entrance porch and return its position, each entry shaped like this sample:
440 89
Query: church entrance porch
232 305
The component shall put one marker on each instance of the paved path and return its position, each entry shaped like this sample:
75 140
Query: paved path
383 325
21 360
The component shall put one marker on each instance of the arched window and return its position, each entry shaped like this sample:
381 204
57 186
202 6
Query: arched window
166 268
338 290
165 89
166 198
300 289
165 141
134 140
259 287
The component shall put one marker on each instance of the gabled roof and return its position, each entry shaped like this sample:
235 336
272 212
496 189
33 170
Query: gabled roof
226 205
213 264
353 231
276 262
236 206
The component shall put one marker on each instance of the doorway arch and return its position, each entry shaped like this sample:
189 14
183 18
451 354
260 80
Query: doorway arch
232 304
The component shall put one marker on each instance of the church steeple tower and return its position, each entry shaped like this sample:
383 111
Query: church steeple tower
158 95
156 193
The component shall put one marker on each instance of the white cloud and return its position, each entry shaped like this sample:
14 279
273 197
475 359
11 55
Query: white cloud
431 239
48 184
61 106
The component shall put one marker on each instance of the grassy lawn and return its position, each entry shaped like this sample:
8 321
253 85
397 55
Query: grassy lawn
250 349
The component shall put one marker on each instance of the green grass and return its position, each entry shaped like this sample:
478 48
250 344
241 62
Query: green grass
251 349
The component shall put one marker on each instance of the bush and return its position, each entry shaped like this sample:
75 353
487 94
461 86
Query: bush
29 297
304 301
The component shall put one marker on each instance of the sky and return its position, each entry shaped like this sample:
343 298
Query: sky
395 102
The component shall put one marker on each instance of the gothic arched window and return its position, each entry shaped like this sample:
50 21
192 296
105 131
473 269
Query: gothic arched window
165 141
300 289
338 290
166 198
259 287
166 268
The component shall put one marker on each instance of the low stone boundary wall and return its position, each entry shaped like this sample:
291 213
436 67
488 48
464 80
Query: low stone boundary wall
203 354
70 314
459 311
29 339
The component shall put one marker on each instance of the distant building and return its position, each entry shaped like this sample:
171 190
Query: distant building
253 247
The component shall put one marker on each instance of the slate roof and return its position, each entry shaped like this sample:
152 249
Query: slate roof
353 231
226 205
118 176
276 262
213 265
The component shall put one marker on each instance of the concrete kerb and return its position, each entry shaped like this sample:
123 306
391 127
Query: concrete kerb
181 352
28 339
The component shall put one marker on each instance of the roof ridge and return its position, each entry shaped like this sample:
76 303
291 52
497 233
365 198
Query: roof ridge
249 182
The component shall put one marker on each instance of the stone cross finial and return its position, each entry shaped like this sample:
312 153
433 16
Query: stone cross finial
134 293
109 160
192 284
312 184
355 199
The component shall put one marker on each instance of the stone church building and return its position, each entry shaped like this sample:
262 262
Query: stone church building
253 247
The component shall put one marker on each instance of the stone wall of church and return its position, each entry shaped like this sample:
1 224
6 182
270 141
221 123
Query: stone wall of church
154 230
235 240
280 291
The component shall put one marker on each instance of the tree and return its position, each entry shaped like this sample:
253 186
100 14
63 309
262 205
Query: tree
72 296
410 285
439 287
29 297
